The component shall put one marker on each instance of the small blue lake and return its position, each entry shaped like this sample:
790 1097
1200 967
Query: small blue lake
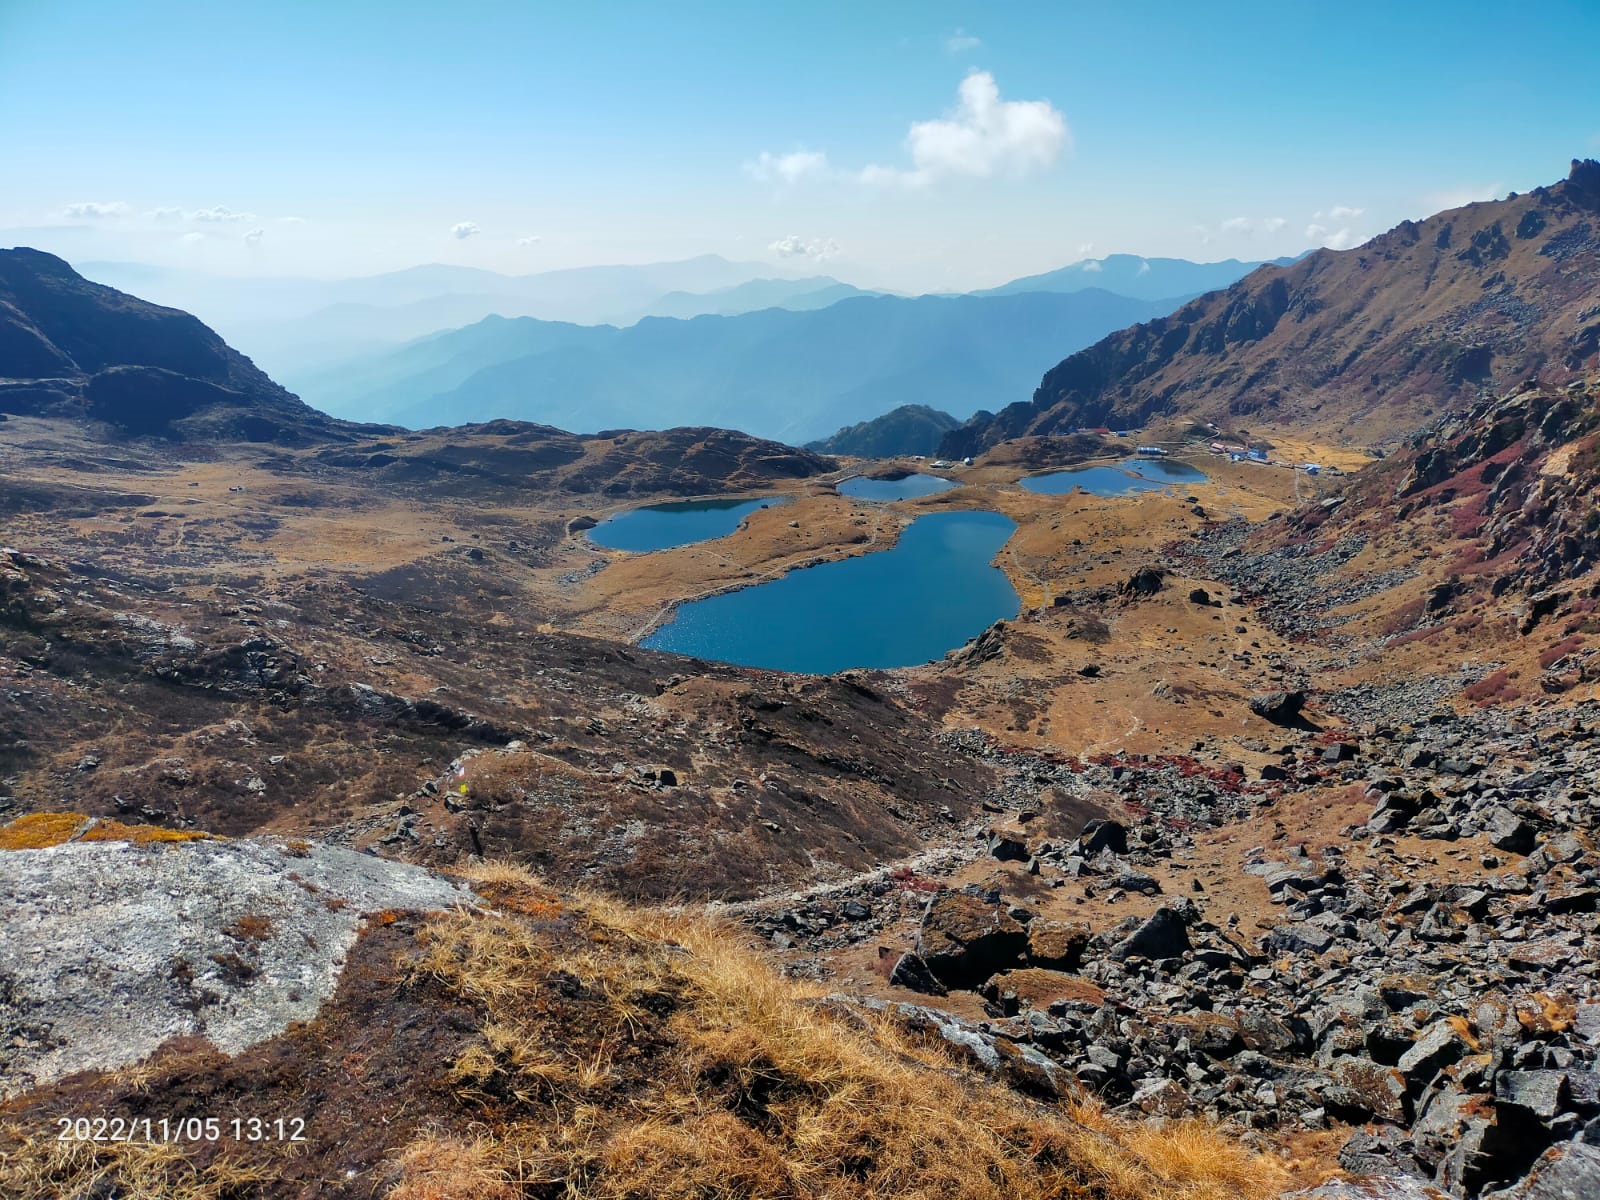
907 487
891 608
1134 475
662 526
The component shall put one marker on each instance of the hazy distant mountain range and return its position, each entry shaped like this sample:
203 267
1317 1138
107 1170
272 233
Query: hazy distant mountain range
703 341
794 376
1141 278
289 326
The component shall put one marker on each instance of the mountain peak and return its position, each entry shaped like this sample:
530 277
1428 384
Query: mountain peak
1585 175
72 347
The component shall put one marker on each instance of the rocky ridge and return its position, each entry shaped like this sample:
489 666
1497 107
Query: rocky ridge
70 347
1377 337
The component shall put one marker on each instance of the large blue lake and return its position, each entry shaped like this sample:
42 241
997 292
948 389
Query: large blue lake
892 608
662 526
1135 475
907 487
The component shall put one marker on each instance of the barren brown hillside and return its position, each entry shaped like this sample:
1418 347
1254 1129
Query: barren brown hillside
1359 345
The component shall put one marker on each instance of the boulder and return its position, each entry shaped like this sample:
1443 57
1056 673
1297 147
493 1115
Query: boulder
1570 1171
911 972
1161 1097
1281 708
1163 935
1057 945
1296 939
1101 835
1038 988
1441 1044
1541 1093
1507 831
1146 581
1364 1090
1007 848
964 940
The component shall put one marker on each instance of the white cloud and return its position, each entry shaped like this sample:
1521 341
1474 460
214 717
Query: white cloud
982 137
1086 249
219 215
1092 265
1458 197
533 239
97 209
291 220
960 42
1144 267
1340 212
1250 226
166 214
462 230
788 168
193 237
253 238
1337 239
795 246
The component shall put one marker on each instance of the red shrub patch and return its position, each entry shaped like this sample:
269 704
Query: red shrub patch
1562 648
1492 689
1406 616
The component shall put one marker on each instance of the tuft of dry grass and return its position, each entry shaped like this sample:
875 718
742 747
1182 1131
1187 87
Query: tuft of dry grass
36 831
657 1058
435 1167
41 1168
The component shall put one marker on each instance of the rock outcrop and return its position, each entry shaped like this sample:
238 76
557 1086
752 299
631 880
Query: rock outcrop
109 948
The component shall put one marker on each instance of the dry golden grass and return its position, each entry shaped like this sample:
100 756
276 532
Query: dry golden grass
39 830
665 1061
441 1168
42 1168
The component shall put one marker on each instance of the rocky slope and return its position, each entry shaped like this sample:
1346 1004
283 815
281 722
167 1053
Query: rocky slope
72 347
1422 974
529 1044
1363 343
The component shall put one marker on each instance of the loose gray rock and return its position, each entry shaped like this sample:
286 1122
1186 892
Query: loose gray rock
1566 1172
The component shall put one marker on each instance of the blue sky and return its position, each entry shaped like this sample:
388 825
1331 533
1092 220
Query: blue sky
927 145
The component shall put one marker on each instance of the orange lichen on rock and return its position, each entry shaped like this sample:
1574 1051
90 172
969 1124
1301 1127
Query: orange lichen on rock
36 831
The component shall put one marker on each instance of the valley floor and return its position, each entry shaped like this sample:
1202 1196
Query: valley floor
1246 816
